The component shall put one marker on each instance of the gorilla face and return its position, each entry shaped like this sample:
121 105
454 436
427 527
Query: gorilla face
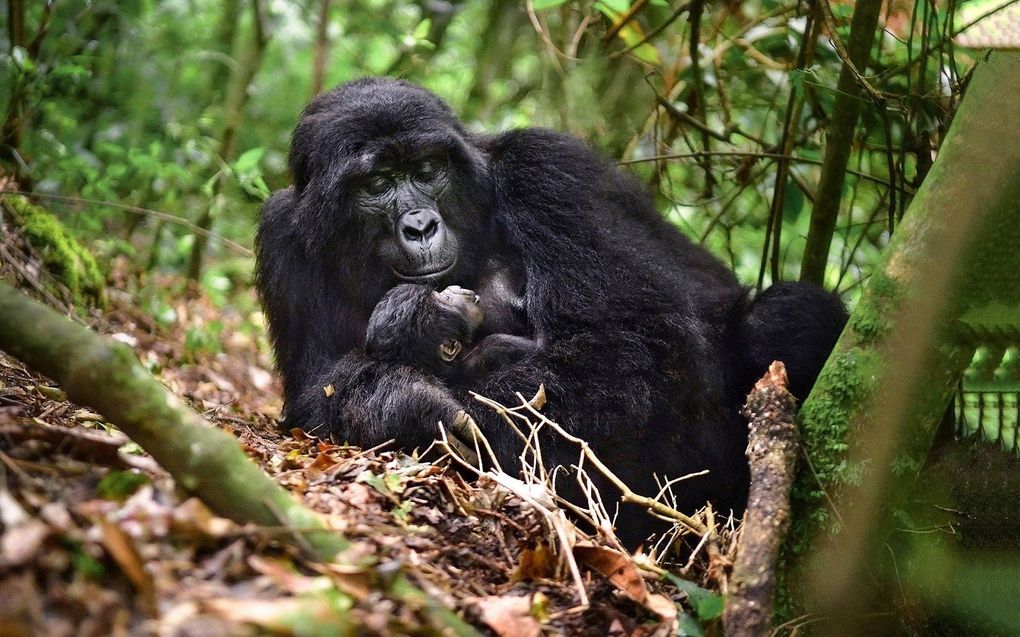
404 195
416 325
388 182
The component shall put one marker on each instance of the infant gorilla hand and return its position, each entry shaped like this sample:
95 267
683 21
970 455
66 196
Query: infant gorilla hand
435 332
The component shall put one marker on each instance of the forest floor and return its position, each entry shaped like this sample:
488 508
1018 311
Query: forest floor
96 539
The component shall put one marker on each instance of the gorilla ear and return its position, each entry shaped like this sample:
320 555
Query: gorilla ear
448 350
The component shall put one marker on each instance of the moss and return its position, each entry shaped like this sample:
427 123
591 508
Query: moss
70 263
869 322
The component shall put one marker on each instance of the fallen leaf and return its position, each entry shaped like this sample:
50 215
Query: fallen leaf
534 564
618 567
283 616
21 543
507 616
195 519
122 549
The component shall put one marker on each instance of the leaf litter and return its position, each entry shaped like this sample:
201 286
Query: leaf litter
96 539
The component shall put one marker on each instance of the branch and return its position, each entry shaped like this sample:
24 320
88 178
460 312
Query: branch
772 454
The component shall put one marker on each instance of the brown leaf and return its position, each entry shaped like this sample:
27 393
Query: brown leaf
122 549
507 616
619 568
662 606
283 574
534 564
21 543
194 518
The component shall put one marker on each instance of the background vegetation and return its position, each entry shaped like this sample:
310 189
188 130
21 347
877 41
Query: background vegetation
185 106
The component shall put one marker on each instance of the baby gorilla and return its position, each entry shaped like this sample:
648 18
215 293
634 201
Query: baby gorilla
435 330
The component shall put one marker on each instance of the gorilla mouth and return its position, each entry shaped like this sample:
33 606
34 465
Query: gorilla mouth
428 275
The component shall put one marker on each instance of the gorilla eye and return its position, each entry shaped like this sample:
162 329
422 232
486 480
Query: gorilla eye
429 168
377 185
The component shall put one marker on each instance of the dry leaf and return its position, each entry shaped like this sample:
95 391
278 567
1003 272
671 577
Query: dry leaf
508 616
534 564
122 549
619 568
21 543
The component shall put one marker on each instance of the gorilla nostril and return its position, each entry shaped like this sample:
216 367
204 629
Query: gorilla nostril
412 234
430 229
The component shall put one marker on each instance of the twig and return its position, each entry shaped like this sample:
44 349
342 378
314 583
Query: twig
548 510
626 494
841 50
624 19
742 153
156 214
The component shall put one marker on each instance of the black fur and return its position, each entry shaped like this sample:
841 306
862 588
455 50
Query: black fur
649 342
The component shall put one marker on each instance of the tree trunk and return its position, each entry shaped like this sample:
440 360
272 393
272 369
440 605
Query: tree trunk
321 48
845 112
13 124
869 422
233 115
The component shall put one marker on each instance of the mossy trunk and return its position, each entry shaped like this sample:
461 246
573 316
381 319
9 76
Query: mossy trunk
106 376
868 424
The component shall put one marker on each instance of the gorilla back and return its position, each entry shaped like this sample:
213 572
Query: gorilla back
649 343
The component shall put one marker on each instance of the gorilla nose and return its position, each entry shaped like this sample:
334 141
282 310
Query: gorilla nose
419 226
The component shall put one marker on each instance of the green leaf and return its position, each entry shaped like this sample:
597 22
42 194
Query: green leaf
249 159
541 5
793 201
687 626
118 485
706 604
610 7
421 31
710 607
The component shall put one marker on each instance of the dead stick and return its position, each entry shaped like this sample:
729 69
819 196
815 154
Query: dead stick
772 455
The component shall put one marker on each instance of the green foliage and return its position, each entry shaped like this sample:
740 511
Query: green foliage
119 485
126 103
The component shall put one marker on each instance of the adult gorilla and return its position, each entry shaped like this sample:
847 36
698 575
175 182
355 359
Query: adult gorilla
649 342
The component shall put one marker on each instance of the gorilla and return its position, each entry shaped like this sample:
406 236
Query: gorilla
435 332
647 344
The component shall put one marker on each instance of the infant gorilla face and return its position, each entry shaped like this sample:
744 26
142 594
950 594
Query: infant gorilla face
459 305
435 332
426 328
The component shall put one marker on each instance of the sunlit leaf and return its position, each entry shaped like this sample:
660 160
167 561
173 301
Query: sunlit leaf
249 159
541 5
421 31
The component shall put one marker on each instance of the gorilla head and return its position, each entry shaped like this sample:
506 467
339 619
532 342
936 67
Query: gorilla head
416 325
435 332
386 179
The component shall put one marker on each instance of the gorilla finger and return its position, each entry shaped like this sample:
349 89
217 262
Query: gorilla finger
465 427
466 454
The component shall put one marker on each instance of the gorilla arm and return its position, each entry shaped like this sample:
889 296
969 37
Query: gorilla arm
332 389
